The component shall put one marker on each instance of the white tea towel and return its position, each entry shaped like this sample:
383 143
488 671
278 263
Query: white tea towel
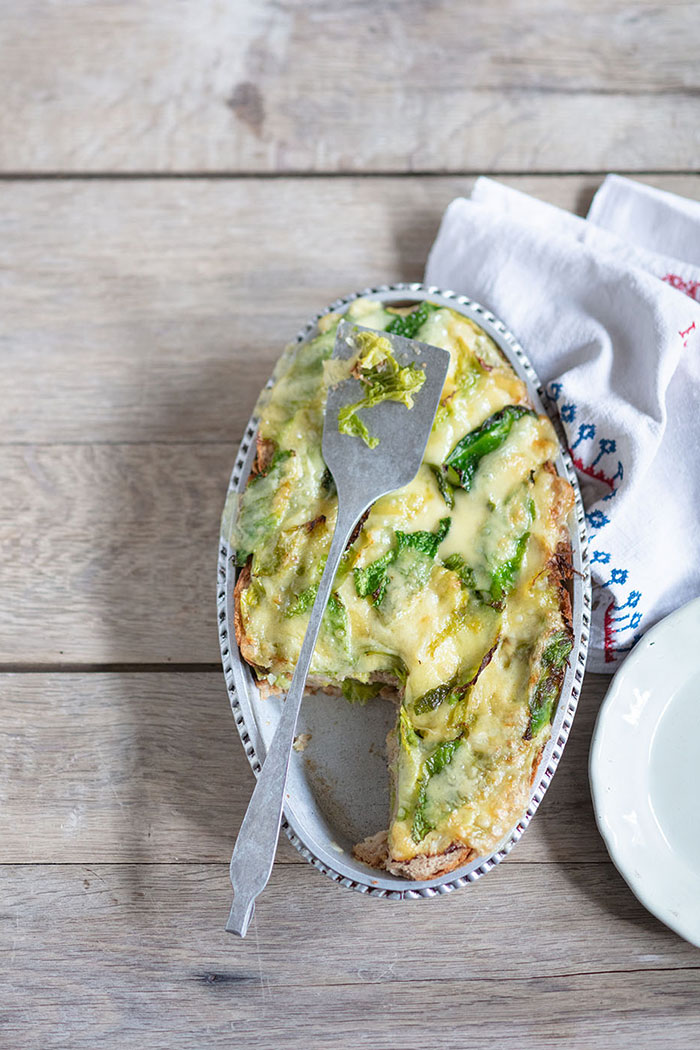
617 348
649 218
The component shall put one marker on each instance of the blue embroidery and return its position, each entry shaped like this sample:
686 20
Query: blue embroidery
632 600
596 519
585 432
623 617
627 621
605 445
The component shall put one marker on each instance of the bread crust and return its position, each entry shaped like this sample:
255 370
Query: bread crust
242 584
264 451
374 851
561 570
432 866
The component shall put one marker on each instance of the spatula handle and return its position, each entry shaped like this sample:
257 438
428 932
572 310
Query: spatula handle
254 852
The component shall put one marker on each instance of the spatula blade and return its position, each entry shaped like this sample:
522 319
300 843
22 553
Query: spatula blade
402 432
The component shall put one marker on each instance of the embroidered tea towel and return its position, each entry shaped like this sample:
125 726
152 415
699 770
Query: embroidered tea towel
607 309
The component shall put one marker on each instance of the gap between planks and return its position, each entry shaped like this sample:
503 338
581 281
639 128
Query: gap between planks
216 978
300 173
205 667
296 861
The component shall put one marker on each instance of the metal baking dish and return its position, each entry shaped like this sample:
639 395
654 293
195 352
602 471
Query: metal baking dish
338 788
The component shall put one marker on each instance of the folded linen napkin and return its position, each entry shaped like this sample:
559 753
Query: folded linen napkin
608 310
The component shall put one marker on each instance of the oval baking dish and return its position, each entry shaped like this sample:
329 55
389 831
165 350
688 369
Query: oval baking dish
338 788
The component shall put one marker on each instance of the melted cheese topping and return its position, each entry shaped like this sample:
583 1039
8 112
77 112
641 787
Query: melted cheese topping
467 653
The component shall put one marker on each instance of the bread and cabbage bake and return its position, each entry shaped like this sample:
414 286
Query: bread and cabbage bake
450 599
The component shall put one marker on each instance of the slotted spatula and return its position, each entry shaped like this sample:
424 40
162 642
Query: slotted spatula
361 476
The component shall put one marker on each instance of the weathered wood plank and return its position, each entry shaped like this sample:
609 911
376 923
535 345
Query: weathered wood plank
154 311
269 86
120 767
148 767
108 553
530 956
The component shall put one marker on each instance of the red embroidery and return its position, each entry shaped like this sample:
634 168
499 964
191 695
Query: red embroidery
609 634
684 334
689 288
599 475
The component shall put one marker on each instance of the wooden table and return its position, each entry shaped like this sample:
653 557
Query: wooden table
182 185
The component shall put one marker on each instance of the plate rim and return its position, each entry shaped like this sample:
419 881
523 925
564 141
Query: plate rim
394 887
598 780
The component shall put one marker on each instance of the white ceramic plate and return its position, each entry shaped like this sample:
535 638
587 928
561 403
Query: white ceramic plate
645 771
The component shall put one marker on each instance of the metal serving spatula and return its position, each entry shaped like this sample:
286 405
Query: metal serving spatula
361 475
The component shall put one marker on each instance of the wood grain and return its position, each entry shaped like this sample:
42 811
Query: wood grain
154 311
108 553
531 955
140 318
264 86
136 767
